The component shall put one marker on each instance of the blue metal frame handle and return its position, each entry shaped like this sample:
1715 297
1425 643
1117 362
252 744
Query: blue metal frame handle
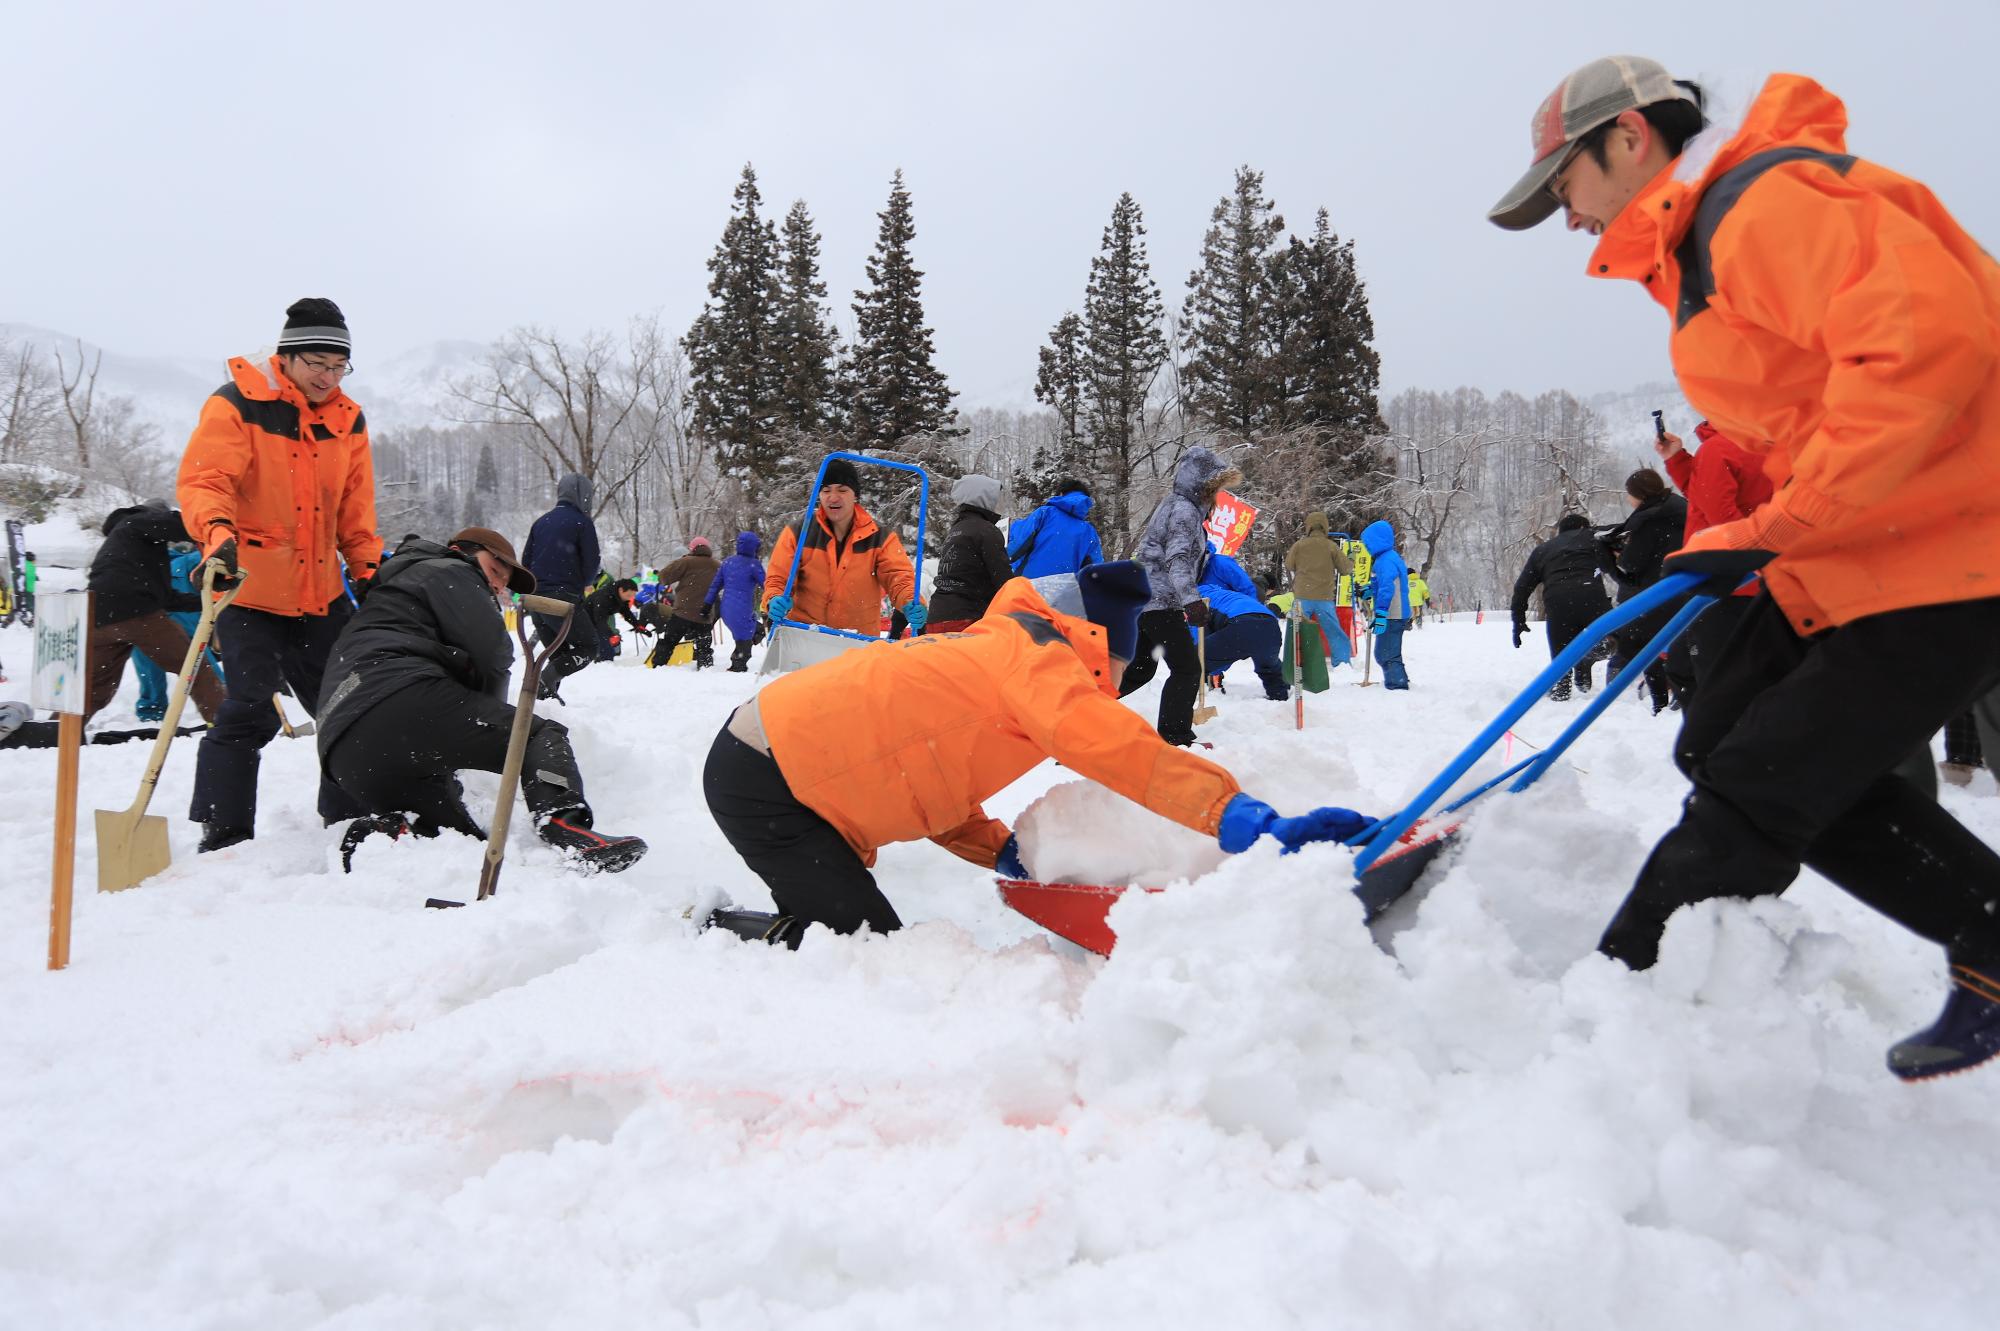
1626 678
1377 839
811 515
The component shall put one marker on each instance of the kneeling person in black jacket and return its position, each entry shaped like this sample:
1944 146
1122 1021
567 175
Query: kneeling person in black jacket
416 692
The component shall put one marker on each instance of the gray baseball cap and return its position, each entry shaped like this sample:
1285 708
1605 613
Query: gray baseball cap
1600 91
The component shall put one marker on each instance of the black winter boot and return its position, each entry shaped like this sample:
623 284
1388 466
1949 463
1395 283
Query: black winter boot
1966 1033
217 836
570 831
758 926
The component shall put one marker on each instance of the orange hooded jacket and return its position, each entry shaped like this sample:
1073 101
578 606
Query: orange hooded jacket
295 482
1831 317
842 590
908 739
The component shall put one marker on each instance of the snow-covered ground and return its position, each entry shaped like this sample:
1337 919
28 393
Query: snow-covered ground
267 1095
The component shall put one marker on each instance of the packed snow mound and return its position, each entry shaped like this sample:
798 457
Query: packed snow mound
1082 832
270 1095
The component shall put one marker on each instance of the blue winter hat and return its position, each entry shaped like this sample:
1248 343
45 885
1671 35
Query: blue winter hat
1113 595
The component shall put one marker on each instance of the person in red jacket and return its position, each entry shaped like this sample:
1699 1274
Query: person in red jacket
1723 483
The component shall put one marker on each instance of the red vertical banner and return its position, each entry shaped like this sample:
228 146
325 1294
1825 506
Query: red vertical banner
1229 522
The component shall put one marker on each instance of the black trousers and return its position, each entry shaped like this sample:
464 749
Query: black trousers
1258 640
1792 744
680 630
404 754
812 872
261 653
1562 631
1166 632
579 649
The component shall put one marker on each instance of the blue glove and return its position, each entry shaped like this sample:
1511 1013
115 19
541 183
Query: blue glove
1381 622
915 613
1327 823
1245 819
1009 864
779 607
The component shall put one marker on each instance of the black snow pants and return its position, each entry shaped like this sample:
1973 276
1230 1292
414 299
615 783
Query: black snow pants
261 653
812 872
1567 618
678 631
1793 744
404 754
1166 631
579 649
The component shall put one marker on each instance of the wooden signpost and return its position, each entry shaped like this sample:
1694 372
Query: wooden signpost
60 684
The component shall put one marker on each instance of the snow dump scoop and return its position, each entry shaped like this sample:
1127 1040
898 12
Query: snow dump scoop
1392 854
794 644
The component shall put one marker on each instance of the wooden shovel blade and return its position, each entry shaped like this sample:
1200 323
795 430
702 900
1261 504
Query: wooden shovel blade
1203 715
130 848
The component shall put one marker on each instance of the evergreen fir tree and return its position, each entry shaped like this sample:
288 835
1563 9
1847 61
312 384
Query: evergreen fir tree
1059 382
732 369
1228 371
898 392
808 402
1123 349
1333 371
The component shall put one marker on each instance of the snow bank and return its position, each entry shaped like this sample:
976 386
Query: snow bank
269 1095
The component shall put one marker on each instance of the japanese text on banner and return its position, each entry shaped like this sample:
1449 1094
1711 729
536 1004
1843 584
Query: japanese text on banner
1230 521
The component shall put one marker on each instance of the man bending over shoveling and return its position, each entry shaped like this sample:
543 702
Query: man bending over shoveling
905 740
416 692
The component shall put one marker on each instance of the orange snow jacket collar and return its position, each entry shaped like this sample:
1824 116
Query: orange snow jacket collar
295 482
1834 319
907 740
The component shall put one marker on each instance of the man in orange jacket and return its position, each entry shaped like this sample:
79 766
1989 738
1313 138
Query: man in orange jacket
905 741
849 564
1832 317
278 482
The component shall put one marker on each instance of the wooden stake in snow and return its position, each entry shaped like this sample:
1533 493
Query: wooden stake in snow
1203 713
60 682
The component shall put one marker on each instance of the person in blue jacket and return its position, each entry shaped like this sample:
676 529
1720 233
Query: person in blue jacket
1391 595
1055 538
737 585
1240 626
562 554
152 679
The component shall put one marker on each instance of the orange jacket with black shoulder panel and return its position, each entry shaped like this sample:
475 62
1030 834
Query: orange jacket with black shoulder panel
907 740
295 482
1832 317
841 586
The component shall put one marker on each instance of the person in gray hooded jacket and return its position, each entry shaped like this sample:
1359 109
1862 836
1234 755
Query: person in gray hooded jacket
974 564
1170 550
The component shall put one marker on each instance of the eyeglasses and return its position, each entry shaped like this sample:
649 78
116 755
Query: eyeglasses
1568 159
338 369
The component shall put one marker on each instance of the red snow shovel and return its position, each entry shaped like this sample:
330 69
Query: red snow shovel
1078 911
1393 853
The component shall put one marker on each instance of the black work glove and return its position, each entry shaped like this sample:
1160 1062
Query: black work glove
222 552
361 586
1197 613
1723 571
1519 629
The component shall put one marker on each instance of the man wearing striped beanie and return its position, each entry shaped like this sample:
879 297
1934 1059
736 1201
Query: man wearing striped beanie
278 484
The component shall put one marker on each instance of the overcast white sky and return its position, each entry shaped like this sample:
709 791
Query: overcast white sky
176 174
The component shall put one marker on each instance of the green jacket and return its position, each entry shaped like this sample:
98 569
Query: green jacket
1317 565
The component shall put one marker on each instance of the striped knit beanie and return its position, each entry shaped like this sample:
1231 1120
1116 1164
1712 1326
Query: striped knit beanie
314 324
